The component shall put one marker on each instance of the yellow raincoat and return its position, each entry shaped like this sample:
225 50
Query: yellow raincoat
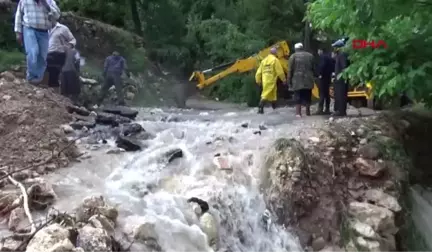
268 72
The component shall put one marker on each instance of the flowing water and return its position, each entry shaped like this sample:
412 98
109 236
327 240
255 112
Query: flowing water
145 184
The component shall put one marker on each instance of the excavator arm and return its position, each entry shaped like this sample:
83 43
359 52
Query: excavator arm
241 65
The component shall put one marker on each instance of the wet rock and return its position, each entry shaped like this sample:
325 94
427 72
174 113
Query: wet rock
128 143
145 231
173 155
78 125
132 129
383 199
120 110
9 244
305 238
100 221
318 244
370 168
363 229
287 167
78 110
51 238
262 127
111 119
43 195
115 151
244 125
18 220
363 141
67 129
368 245
94 205
370 151
257 132
379 218
92 239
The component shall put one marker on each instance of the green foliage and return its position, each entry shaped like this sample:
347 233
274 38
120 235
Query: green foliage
7 35
188 35
107 11
405 26
10 58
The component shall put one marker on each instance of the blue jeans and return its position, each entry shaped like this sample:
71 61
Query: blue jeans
36 47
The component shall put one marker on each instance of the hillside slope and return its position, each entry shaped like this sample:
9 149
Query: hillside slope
97 40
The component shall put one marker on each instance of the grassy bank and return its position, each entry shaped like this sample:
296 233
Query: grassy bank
10 58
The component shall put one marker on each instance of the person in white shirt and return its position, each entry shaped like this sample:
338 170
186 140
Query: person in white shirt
60 37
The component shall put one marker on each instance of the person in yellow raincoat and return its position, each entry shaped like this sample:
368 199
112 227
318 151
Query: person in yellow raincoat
267 74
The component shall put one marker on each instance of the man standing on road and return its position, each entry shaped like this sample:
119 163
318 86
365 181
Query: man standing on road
325 71
33 19
267 74
301 77
60 38
114 67
340 84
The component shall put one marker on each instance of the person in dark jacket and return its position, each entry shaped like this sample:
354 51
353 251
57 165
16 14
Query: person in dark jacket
340 84
325 70
70 82
114 67
301 77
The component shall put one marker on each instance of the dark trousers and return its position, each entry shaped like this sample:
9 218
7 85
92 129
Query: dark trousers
303 97
70 85
55 62
324 93
341 96
116 81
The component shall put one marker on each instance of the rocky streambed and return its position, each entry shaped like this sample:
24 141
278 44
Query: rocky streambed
272 182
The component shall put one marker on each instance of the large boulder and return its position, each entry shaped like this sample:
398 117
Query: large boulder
51 238
286 168
128 143
379 218
120 110
94 239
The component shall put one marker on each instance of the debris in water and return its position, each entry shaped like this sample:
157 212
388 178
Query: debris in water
174 154
266 219
222 162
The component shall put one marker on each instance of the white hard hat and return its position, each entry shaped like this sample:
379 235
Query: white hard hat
298 46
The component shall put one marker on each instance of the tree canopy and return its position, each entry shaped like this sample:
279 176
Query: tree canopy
405 65
187 35
192 35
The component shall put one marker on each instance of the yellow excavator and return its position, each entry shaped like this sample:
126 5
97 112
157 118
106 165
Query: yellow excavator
359 96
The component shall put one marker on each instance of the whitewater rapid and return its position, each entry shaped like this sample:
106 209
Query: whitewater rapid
143 185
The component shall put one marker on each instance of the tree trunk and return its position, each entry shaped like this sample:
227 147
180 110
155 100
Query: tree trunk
307 36
135 17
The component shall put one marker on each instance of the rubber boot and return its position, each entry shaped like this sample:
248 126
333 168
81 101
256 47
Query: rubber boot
261 107
273 104
298 110
308 113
